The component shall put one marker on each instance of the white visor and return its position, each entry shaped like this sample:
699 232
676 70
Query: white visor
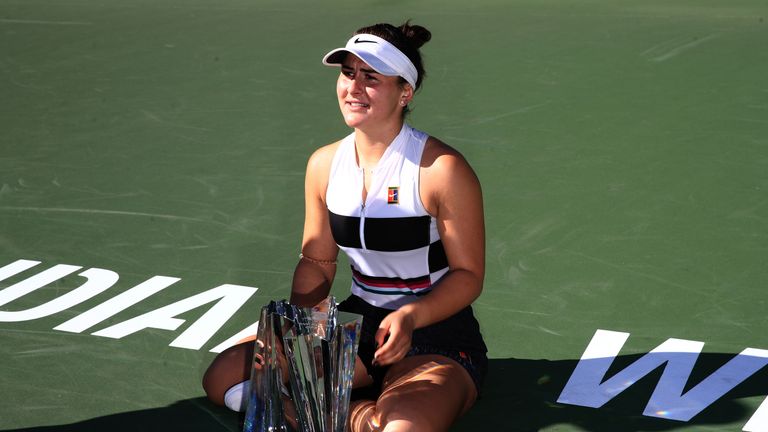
379 54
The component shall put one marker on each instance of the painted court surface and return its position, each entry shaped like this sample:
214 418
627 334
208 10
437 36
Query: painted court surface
159 147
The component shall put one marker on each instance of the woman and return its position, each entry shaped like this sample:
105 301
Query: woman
407 210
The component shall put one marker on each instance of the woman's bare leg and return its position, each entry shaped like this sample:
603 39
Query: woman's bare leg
232 366
424 393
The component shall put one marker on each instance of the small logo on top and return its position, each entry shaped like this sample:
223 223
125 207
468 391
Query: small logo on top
393 195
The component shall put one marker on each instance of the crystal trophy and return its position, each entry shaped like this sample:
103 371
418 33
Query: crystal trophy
304 360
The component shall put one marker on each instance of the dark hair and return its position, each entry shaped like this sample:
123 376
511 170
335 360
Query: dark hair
407 38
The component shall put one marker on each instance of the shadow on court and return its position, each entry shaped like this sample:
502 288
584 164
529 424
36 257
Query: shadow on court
189 415
519 395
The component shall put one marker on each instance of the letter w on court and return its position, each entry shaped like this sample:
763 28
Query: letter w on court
587 388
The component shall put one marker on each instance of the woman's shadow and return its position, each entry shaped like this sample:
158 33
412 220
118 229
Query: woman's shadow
188 415
522 395
519 395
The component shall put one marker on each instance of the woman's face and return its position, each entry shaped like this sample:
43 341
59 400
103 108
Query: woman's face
367 97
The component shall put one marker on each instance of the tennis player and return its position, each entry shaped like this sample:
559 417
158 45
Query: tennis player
407 211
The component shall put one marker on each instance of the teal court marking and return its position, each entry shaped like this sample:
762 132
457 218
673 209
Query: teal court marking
158 149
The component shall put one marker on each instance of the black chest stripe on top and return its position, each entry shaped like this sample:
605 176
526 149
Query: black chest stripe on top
381 234
346 230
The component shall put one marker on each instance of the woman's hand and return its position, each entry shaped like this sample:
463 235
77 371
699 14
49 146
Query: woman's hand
393 338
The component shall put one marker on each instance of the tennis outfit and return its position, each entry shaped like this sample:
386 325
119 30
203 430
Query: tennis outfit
395 250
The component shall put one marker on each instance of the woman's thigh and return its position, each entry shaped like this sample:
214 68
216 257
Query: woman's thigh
425 393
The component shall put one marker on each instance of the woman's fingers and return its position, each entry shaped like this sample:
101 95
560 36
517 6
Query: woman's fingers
393 338
382 334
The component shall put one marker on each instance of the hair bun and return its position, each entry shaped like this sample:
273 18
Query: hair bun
416 34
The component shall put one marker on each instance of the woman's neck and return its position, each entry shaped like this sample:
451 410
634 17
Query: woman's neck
372 143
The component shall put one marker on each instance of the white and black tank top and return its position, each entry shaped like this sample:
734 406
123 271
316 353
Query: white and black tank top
392 242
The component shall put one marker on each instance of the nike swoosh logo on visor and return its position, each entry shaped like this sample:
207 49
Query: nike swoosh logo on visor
357 41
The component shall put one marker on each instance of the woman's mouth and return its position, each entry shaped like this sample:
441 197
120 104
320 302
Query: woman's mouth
358 105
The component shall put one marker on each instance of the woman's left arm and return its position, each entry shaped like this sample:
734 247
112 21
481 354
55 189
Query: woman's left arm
451 192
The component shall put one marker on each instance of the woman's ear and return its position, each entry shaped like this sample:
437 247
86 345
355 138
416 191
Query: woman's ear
407 95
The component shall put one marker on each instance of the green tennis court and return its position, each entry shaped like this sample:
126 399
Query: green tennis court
152 157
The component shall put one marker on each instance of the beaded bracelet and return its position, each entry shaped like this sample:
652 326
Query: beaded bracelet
317 261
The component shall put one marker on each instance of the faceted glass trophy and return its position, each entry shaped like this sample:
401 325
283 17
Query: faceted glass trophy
304 360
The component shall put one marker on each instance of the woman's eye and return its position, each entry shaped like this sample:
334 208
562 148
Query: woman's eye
371 78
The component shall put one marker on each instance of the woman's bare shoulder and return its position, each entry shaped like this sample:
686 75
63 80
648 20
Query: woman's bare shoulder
445 176
321 159
441 159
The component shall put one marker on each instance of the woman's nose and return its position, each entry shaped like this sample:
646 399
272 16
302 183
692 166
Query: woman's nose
355 85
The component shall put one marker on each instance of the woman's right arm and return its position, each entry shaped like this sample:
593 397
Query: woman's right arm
314 273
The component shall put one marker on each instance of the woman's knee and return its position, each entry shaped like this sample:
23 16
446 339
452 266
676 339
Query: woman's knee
364 416
230 367
416 420
410 425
